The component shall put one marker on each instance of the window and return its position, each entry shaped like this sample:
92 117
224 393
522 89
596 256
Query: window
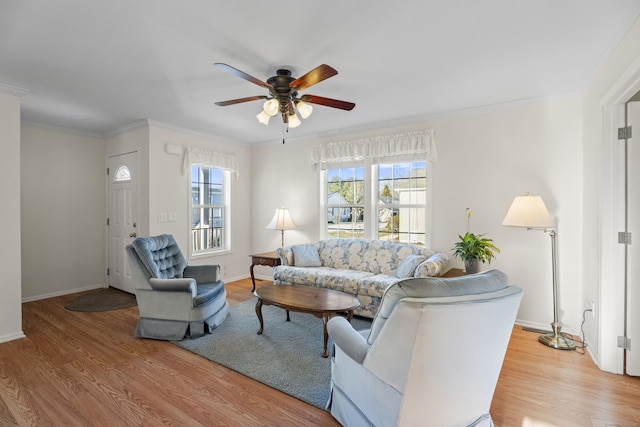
395 211
209 222
345 202
402 202
122 174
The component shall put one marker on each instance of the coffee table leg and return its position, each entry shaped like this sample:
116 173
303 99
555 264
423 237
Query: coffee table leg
259 313
325 319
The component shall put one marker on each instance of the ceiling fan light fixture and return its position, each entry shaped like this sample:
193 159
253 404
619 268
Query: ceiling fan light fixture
271 107
294 121
304 109
263 117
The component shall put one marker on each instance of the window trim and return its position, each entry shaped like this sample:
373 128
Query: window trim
370 207
226 229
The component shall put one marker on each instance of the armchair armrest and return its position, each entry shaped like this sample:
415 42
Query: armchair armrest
203 273
174 285
348 339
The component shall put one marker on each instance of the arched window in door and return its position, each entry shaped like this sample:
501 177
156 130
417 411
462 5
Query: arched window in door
122 174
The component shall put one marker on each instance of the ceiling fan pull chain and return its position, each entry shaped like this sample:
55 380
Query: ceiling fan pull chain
283 126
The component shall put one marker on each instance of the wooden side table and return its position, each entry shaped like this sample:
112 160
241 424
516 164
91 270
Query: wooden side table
269 259
454 272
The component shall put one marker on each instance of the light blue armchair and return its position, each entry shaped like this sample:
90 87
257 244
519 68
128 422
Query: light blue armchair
175 300
432 357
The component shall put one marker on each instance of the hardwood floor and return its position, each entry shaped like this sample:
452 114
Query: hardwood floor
82 369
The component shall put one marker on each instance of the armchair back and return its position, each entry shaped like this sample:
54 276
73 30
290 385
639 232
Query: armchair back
160 256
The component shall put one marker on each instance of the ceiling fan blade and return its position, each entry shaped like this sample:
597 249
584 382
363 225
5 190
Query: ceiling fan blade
318 74
242 75
240 100
328 102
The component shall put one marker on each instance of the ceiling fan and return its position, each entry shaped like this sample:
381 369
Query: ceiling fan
283 95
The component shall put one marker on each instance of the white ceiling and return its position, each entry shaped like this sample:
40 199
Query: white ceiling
96 67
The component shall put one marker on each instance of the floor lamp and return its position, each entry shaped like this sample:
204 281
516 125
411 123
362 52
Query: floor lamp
531 213
281 221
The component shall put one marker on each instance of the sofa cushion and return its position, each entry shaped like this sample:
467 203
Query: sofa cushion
408 265
306 256
344 280
296 275
375 285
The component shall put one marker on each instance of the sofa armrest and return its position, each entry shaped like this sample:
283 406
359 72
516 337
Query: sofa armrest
435 265
174 285
203 273
286 255
348 339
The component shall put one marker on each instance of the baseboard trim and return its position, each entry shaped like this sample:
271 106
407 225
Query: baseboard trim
61 293
13 336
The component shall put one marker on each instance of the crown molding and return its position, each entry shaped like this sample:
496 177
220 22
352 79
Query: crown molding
61 129
13 90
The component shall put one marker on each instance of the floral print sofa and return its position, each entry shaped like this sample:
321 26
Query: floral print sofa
360 267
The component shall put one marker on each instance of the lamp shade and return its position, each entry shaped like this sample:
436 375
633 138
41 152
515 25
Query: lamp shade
271 107
263 117
304 109
281 220
530 212
294 121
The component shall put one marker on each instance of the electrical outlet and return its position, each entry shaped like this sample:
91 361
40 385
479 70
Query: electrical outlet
592 306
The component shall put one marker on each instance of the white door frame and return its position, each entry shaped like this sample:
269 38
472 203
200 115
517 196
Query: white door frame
611 283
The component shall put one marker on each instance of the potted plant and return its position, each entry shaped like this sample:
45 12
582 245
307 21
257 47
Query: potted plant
474 249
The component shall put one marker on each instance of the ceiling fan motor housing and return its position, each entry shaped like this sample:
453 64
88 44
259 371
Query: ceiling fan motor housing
282 90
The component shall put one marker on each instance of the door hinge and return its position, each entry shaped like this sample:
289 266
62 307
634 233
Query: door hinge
107 271
107 221
624 133
618 138
624 237
624 343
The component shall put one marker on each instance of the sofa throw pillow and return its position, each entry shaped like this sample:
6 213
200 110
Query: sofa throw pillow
408 266
306 256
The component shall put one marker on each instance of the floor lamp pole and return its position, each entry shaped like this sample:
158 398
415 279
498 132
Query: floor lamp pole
555 339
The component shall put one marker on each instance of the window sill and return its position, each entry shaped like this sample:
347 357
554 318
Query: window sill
210 254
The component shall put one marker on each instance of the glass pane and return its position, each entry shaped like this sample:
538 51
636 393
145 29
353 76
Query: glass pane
121 174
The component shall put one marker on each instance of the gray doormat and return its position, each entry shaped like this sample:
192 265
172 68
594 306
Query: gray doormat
102 300
287 356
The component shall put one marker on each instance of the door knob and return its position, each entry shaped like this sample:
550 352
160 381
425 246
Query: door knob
133 235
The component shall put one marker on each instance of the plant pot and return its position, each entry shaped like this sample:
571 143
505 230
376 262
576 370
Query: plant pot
471 266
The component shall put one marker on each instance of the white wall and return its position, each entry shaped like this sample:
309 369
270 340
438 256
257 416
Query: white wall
63 213
485 160
10 262
169 192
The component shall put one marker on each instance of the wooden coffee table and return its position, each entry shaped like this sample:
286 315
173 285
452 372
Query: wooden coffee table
321 302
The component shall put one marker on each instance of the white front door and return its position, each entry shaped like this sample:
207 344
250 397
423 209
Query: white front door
123 217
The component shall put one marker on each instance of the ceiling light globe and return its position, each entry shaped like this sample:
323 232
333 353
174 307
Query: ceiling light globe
304 109
294 121
271 107
263 118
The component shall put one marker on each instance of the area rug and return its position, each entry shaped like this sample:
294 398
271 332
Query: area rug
287 356
102 300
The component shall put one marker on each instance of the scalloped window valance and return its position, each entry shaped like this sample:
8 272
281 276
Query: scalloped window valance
203 157
398 146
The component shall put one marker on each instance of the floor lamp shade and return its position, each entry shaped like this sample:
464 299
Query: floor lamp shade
529 212
281 221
